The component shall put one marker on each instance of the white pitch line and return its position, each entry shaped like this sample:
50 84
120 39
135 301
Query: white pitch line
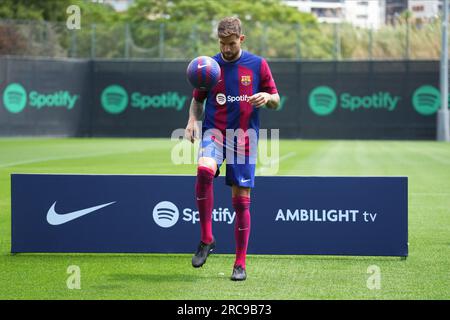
262 169
87 155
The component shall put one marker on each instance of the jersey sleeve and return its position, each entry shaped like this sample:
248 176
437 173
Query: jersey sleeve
199 95
267 83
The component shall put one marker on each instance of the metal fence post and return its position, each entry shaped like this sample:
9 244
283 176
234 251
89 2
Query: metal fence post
161 41
337 42
298 42
371 43
443 117
93 49
127 40
194 40
73 44
407 48
48 42
264 40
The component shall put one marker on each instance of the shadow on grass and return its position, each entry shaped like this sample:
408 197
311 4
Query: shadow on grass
150 278
123 280
325 258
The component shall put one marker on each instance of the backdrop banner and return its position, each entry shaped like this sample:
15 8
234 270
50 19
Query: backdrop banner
125 98
45 97
158 214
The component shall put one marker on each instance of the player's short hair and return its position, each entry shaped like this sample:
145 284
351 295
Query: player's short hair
229 26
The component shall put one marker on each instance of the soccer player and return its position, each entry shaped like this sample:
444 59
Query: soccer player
246 84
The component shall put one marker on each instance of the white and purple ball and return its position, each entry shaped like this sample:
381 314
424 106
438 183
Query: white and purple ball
203 73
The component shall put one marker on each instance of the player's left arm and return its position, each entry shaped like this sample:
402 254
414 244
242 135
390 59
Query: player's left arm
268 95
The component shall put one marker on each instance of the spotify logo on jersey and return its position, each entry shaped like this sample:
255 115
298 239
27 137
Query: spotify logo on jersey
14 98
114 99
323 100
221 99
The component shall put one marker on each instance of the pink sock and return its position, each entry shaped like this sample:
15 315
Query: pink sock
205 201
241 205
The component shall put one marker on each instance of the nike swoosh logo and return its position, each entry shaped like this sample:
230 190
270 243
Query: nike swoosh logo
242 229
246 180
201 66
201 198
56 219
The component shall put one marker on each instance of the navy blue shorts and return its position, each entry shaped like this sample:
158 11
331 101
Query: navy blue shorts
240 167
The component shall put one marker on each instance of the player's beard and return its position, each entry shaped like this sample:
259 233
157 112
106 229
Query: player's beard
230 56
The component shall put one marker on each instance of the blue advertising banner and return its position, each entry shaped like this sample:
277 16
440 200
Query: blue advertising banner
158 214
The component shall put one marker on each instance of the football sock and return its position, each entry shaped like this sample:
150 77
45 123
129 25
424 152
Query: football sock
205 201
241 205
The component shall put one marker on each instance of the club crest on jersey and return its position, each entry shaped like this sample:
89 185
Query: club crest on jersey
246 80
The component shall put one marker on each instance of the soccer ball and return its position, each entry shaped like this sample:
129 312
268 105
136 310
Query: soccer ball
203 73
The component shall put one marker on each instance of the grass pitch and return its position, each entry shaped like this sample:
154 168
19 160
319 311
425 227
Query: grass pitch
424 275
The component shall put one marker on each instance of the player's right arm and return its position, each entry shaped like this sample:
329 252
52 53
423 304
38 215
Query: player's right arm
195 114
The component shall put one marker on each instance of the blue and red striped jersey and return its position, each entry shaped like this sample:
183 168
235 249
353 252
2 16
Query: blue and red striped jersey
226 104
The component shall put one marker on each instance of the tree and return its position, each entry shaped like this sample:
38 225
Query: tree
189 26
11 41
201 11
53 10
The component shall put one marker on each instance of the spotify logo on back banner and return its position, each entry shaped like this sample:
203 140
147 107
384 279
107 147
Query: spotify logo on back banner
114 99
14 98
323 100
426 100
